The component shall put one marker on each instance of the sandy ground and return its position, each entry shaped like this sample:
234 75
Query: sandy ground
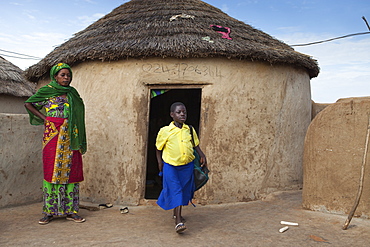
239 224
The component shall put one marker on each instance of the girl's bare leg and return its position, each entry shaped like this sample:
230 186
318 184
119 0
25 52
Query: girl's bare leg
177 214
180 226
174 215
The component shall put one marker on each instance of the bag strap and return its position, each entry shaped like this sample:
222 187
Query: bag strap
191 133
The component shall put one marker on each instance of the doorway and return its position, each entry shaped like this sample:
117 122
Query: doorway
159 116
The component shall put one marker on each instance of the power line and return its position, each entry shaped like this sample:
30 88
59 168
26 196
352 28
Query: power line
312 43
30 57
341 37
4 55
327 40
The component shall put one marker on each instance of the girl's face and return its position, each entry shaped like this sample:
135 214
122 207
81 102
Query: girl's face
63 77
179 115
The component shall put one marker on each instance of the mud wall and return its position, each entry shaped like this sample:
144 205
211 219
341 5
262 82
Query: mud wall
317 108
333 155
254 118
12 104
20 160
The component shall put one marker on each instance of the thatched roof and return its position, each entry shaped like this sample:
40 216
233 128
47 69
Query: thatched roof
144 28
13 82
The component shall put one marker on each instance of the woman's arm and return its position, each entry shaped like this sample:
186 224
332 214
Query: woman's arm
32 109
203 159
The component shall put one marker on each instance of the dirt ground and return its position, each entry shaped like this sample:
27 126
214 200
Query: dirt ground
239 224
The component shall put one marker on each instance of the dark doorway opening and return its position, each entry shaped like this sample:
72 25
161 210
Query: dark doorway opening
159 116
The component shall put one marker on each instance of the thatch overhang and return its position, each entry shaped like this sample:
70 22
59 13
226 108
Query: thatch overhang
13 82
144 28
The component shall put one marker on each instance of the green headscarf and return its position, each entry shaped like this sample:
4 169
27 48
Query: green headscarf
77 109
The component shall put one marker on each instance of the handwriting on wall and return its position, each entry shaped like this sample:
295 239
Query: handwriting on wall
182 69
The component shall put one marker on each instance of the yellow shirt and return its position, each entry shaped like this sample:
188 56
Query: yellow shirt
176 144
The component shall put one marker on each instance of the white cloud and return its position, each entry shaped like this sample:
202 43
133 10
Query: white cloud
30 16
16 3
37 44
6 37
87 20
90 1
224 8
344 65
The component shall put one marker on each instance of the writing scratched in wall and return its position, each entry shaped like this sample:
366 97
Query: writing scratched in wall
182 69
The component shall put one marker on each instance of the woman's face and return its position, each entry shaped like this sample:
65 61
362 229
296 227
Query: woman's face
63 77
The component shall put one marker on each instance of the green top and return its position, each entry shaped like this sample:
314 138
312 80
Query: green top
76 112
54 107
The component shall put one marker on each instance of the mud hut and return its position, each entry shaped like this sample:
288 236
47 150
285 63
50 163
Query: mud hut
247 94
14 88
20 150
334 155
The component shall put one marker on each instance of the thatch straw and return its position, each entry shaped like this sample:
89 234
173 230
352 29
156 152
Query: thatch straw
142 29
12 81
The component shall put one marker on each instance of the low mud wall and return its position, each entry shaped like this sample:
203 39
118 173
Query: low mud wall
333 156
20 160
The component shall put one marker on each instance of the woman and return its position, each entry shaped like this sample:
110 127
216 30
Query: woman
60 108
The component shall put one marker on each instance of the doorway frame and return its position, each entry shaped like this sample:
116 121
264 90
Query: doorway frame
178 86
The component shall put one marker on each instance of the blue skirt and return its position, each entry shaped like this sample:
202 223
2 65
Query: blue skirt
178 186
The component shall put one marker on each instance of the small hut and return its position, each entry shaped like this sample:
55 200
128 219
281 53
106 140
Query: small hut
20 150
335 155
247 95
14 88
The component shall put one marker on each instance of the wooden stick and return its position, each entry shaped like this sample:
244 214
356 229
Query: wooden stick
361 185
367 24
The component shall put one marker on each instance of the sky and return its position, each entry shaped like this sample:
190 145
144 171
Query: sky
36 27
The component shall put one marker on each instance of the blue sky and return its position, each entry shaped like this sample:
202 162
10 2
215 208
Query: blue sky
36 27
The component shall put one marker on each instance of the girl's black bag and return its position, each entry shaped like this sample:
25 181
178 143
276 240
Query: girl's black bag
200 173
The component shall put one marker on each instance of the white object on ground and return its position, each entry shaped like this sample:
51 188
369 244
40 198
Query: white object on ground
281 230
288 223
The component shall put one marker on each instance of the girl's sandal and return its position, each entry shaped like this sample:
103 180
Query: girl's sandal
76 218
180 227
45 220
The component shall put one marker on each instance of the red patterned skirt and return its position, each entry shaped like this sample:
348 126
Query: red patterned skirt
62 165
